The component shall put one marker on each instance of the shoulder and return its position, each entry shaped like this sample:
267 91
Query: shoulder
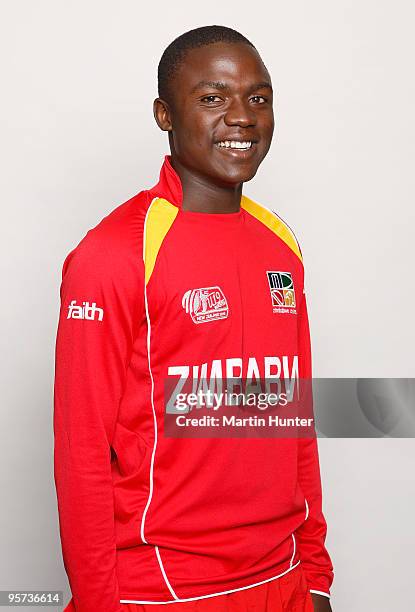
274 222
113 247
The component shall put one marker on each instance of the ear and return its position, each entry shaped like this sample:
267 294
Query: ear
162 114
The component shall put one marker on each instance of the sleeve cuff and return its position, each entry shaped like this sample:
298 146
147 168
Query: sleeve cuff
320 593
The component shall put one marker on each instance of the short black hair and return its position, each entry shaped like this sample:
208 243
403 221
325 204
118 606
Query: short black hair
175 53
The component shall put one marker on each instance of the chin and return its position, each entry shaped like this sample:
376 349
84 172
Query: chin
238 175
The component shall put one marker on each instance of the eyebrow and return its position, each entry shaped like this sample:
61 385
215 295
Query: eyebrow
221 85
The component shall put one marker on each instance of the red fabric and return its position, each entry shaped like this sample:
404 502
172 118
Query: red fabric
286 594
140 517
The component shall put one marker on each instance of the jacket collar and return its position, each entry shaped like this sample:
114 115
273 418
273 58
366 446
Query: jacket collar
169 185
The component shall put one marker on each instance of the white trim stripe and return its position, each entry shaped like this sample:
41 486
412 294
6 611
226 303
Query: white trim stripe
288 227
293 555
164 573
213 594
152 386
306 509
320 593
151 475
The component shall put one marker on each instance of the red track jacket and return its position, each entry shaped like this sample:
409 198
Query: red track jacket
152 291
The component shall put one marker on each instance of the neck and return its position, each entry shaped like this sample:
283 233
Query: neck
202 195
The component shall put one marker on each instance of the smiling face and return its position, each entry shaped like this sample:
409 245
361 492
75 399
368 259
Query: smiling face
220 119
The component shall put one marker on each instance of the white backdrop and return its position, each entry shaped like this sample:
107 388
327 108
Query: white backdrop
79 138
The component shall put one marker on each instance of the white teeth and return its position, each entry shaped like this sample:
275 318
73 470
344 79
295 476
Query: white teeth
235 144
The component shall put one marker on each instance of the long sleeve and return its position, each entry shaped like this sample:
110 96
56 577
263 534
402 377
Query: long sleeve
315 559
100 308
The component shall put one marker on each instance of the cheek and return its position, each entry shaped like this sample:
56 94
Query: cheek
267 130
271 126
194 137
267 124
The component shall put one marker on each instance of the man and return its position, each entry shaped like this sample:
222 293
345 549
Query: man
187 281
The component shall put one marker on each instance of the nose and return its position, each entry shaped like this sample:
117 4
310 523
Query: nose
240 113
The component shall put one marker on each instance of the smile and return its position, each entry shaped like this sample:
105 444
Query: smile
235 144
238 149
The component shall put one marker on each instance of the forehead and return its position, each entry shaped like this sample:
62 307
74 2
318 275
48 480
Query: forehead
236 64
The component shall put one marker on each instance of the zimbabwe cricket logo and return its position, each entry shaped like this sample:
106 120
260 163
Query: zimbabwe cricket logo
205 304
282 291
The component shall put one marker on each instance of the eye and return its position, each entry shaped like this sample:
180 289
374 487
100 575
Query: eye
210 98
256 98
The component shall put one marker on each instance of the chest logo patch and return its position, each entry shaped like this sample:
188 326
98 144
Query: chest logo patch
281 286
205 304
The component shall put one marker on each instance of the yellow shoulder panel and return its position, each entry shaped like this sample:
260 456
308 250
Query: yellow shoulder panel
273 222
159 219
